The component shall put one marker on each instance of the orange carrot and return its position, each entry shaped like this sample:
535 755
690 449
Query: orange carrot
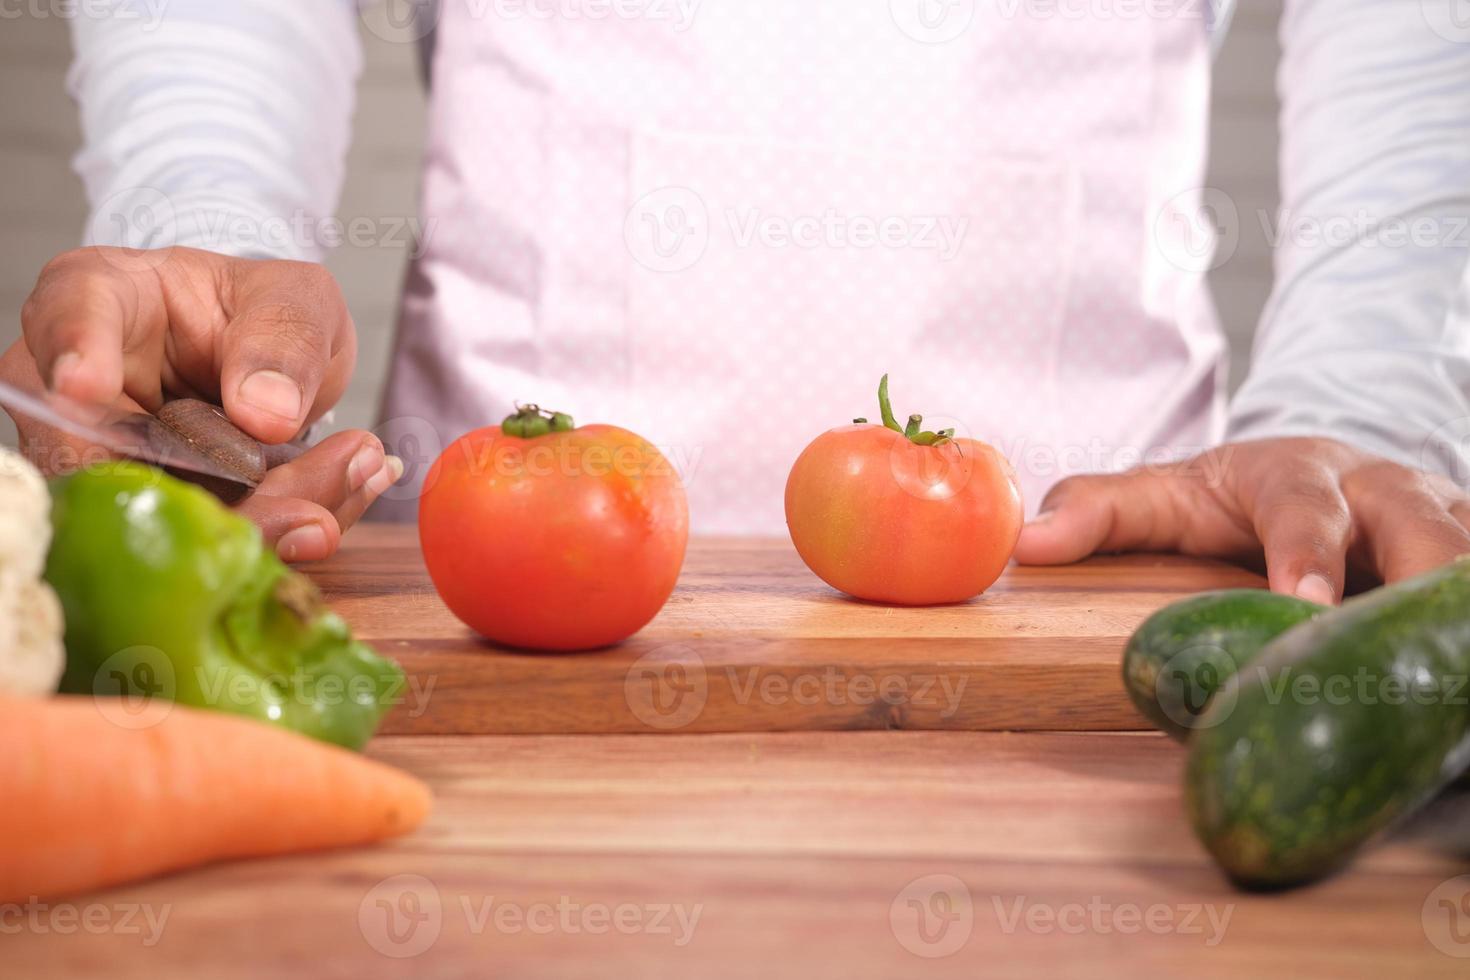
86 803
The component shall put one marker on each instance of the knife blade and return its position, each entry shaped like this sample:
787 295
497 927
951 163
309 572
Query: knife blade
138 435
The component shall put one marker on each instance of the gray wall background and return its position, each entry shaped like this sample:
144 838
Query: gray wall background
42 210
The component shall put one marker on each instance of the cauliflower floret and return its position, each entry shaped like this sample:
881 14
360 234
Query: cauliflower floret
31 652
25 516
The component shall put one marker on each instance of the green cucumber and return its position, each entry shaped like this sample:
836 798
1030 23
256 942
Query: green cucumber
1337 730
1183 653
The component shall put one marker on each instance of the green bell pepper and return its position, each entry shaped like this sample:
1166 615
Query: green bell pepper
169 594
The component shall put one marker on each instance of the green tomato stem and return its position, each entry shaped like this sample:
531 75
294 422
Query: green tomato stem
884 408
914 430
530 421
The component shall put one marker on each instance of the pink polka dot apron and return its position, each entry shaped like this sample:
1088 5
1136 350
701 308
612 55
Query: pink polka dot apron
719 223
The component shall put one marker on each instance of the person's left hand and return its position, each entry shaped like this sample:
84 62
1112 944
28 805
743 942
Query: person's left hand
1313 508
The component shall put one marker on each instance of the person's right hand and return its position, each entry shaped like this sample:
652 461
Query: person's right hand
270 341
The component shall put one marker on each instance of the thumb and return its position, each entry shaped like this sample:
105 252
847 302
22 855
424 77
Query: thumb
1083 515
289 346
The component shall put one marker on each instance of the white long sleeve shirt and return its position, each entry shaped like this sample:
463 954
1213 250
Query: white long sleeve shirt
1366 337
225 126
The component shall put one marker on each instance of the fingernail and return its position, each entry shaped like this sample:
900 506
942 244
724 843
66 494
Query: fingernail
273 393
1042 518
64 369
387 476
366 464
1316 588
308 540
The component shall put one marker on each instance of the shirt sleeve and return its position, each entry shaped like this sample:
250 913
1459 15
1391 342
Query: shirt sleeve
216 125
1366 337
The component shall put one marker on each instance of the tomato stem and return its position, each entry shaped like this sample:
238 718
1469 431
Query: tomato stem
884 408
913 430
530 421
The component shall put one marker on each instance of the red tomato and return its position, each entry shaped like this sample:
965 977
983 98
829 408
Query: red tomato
882 517
567 540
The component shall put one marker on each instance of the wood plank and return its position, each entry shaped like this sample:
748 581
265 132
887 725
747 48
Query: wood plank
752 641
1030 856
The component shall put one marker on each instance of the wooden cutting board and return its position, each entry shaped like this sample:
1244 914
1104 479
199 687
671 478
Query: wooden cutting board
813 855
752 641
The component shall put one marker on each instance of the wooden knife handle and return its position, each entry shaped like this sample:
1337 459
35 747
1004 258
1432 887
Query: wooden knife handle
207 429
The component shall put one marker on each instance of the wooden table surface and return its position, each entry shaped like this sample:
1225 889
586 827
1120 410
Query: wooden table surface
807 853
